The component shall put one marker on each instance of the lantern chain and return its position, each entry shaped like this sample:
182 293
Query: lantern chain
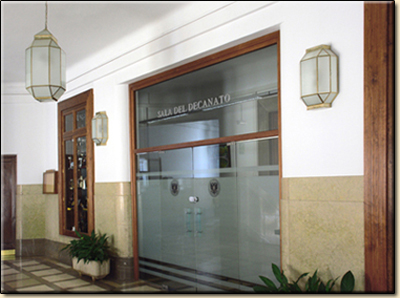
45 25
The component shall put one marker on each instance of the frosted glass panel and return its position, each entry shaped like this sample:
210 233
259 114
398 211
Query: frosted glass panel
334 74
55 62
312 100
28 68
258 208
323 74
40 66
308 77
230 233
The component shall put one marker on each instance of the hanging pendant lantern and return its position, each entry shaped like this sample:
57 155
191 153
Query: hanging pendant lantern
45 70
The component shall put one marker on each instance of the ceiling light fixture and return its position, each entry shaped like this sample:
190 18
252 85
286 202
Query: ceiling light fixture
45 69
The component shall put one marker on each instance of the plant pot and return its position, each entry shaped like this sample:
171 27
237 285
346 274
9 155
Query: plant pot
93 268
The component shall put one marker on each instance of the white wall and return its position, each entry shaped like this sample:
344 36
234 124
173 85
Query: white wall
324 142
29 130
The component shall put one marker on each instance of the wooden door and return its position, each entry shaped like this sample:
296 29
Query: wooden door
8 196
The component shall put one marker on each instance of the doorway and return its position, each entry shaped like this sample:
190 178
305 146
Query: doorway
206 170
8 203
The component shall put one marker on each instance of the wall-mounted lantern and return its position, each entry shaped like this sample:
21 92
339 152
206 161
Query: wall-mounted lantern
319 77
100 128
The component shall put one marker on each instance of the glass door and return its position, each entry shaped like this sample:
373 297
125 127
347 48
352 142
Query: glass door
216 218
209 215
165 217
187 226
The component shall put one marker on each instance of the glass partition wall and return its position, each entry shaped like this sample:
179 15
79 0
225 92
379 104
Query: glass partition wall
207 174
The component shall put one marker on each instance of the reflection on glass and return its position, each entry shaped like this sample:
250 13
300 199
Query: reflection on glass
81 119
220 100
81 185
69 185
68 122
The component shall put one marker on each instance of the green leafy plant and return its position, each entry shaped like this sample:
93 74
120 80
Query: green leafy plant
89 248
312 285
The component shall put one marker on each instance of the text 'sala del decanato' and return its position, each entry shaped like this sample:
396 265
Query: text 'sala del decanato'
194 106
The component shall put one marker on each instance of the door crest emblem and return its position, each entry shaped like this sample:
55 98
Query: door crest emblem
174 187
214 187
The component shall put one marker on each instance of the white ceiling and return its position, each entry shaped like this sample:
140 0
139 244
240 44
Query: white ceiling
82 28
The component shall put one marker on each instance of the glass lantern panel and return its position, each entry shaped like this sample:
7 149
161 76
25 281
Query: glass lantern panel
323 96
81 119
58 93
41 92
308 77
42 42
63 71
53 44
68 122
334 74
331 97
324 74
40 64
55 67
28 67
324 53
312 100
53 90
98 128
330 53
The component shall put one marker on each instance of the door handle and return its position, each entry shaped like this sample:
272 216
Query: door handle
193 199
198 220
188 211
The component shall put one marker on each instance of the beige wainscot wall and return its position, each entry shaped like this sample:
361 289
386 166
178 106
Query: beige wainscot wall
322 222
113 215
38 215
30 212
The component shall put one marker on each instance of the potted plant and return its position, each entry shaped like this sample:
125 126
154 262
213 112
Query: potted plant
313 285
90 255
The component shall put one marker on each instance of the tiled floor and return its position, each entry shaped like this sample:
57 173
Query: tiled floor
42 275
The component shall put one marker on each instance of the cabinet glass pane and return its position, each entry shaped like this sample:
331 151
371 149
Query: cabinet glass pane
69 185
68 122
81 119
81 184
229 98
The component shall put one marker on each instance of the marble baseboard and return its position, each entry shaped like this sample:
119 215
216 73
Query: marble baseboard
30 247
120 268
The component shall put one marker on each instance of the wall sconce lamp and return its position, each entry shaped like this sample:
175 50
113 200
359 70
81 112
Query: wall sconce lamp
45 70
100 128
319 77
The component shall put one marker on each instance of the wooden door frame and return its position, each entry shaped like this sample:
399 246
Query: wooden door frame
11 158
378 146
247 47
72 104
